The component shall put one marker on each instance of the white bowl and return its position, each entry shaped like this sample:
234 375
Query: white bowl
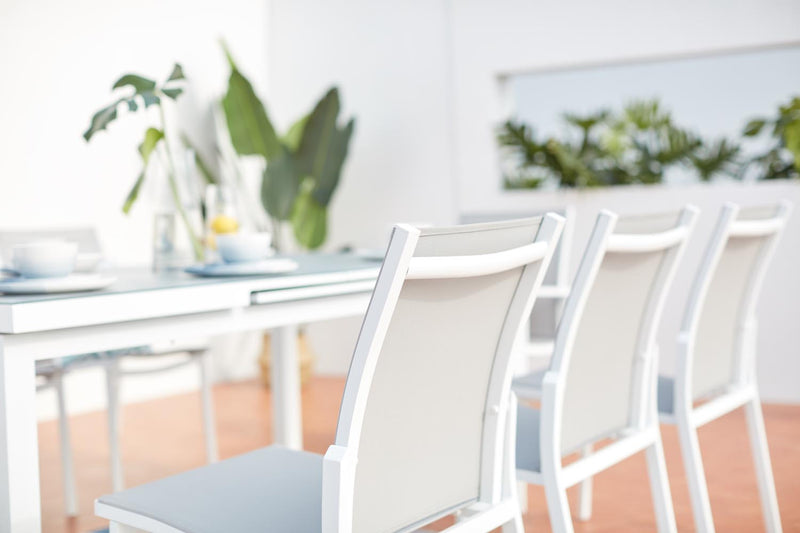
87 261
243 247
45 259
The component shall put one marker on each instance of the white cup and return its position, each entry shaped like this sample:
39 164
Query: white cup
243 247
44 259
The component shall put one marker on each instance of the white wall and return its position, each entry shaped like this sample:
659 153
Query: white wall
457 51
58 62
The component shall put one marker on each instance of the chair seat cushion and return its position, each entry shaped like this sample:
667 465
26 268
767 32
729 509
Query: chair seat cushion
529 385
271 489
528 454
666 395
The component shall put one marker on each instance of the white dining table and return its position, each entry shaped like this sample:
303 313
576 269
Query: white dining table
142 308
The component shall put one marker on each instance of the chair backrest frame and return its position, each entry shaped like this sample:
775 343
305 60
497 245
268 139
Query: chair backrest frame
604 241
340 462
728 226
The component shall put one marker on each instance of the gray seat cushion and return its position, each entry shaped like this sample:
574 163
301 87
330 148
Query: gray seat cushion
271 489
666 395
529 385
528 455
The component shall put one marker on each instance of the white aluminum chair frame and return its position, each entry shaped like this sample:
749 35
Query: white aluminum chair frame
497 503
555 477
745 392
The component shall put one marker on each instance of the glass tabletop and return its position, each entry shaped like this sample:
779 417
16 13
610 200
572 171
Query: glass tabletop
143 279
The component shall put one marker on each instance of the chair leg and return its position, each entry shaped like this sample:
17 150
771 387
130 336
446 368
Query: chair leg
209 427
522 496
585 494
659 486
514 525
558 506
114 413
695 477
766 482
67 464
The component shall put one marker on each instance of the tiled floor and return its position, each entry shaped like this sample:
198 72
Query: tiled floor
164 437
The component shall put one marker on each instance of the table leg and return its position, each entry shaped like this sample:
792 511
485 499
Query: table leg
20 507
285 376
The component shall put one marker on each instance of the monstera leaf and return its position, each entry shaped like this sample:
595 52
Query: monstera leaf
145 89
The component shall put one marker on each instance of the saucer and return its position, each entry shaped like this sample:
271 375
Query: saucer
250 268
71 283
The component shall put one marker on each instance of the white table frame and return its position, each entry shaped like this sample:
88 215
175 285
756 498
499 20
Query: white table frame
61 327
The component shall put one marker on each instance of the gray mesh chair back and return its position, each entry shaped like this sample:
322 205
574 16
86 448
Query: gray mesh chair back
612 347
423 418
719 316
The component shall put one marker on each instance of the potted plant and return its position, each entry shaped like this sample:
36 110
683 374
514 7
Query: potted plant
303 166
138 94
781 159
637 145
302 171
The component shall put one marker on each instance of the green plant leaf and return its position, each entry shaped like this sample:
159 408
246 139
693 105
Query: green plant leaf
151 138
791 134
209 175
295 134
101 119
150 98
172 93
132 105
317 134
177 73
754 127
328 179
323 147
280 185
139 83
133 194
248 124
309 220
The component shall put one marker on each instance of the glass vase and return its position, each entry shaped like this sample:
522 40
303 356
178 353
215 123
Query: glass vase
177 222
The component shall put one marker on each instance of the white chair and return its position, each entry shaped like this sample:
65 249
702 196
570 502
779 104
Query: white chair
426 422
51 373
716 365
601 383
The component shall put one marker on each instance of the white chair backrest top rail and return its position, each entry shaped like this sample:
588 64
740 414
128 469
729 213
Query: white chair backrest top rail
423 420
605 345
544 316
718 329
